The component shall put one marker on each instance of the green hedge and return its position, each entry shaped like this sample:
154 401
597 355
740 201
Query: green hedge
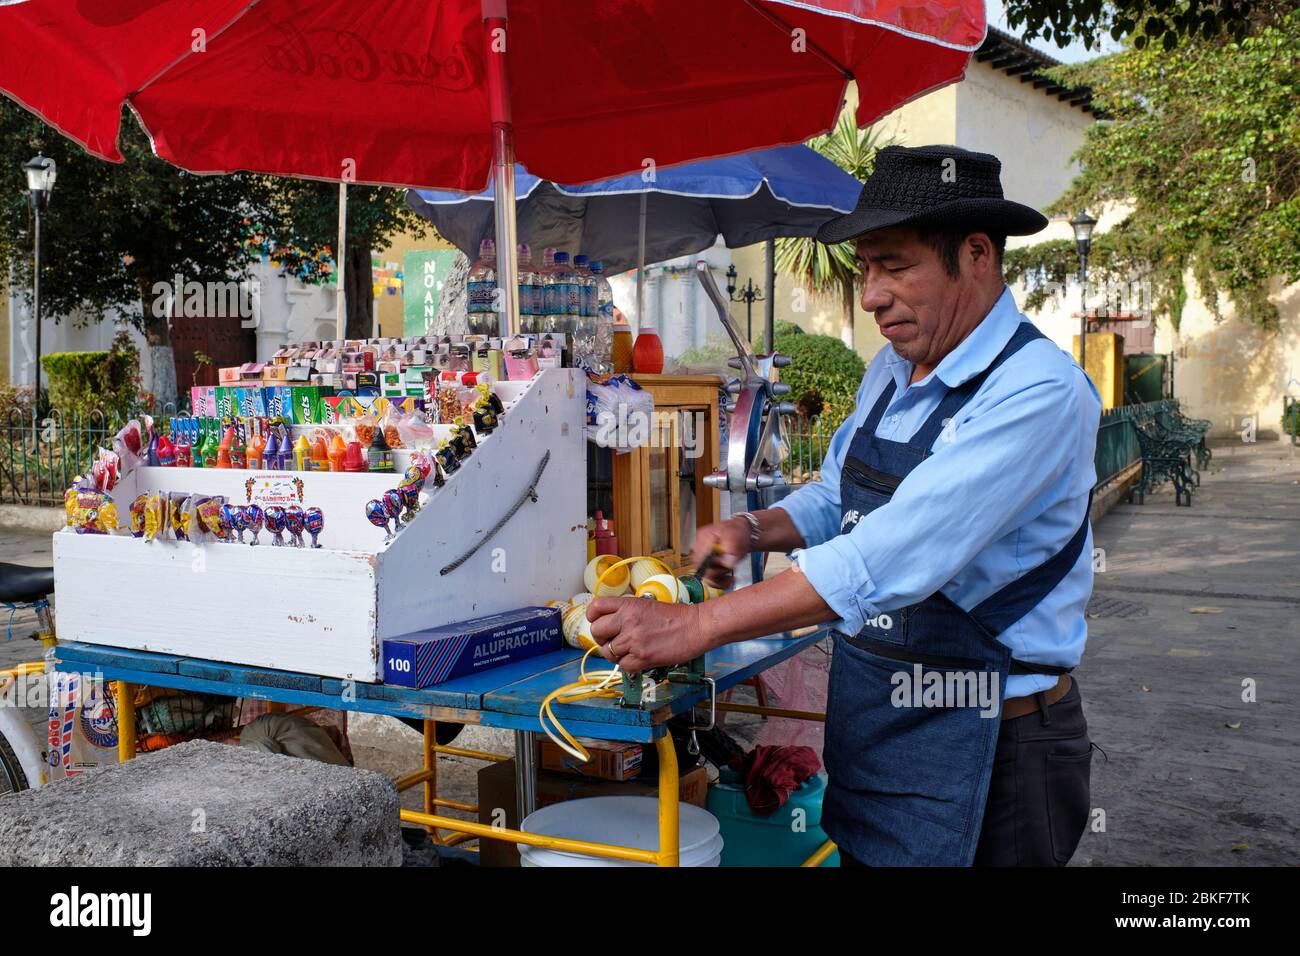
80 382
824 366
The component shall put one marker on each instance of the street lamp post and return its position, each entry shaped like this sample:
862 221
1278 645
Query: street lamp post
41 173
749 295
1083 224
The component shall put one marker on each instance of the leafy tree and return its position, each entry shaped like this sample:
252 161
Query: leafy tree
1204 145
1165 22
305 222
834 268
112 231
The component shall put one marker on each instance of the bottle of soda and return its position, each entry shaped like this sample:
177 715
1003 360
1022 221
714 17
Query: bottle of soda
482 290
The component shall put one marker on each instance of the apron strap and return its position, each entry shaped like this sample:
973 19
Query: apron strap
877 412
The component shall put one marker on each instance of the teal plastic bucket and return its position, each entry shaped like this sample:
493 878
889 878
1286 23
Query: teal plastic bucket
786 838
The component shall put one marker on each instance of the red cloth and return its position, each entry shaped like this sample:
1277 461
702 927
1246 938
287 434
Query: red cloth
395 92
771 774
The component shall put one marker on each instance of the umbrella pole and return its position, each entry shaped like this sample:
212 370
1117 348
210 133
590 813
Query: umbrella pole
769 306
503 166
340 266
640 268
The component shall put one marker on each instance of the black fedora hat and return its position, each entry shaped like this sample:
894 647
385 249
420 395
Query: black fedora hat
934 186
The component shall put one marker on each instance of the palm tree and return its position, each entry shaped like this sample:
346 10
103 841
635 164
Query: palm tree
818 266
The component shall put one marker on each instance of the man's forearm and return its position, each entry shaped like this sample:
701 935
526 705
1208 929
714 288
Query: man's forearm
776 531
778 604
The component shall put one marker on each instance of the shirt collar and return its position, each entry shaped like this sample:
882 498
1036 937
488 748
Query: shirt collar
975 353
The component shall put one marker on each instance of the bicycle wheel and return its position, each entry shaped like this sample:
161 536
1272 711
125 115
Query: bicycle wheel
12 778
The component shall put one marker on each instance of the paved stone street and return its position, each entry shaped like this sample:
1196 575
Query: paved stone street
1196 606
1195 602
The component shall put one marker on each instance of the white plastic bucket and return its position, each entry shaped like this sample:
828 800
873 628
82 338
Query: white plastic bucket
622 821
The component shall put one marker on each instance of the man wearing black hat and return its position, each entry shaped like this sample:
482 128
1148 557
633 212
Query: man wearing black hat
947 540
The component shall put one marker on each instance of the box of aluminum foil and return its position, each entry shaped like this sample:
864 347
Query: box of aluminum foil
440 654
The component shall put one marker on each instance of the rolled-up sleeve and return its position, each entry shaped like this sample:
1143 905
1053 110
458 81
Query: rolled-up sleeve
986 475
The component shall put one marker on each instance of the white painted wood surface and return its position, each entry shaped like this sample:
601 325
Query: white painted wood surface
325 611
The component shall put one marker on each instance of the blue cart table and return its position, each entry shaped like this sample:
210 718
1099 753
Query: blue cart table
506 697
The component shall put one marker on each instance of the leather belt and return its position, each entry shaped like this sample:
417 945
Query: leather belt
1022 706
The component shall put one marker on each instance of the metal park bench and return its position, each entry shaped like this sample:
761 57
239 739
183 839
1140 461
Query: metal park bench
1173 449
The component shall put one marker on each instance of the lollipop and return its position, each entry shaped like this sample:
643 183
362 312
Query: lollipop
410 495
239 521
393 504
274 517
256 517
377 515
314 518
414 476
293 521
226 522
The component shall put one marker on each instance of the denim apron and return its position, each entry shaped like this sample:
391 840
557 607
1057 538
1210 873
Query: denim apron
908 784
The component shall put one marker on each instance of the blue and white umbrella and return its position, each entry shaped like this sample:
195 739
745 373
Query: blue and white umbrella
658 214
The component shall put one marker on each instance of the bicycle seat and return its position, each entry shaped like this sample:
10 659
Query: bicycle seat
20 583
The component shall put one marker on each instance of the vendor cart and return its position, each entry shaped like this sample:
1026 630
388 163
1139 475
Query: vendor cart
306 626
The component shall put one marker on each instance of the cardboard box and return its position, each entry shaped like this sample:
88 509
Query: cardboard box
496 799
228 375
203 400
439 654
610 759
275 373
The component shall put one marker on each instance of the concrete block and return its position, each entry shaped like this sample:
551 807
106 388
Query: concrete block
206 804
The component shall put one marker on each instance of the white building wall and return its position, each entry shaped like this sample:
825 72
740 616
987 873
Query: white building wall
1035 135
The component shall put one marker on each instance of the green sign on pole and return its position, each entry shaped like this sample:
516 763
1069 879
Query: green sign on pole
423 273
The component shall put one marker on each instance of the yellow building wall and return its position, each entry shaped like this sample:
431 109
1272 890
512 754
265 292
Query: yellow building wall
1226 369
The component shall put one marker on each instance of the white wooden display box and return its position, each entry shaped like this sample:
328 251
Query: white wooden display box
326 611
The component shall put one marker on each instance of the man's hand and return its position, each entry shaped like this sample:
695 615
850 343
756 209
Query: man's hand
640 633
733 537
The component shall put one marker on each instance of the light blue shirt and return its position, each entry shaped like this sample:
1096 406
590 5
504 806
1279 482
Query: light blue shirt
1004 489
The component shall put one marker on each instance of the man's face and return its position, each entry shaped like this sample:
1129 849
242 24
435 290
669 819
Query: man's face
923 311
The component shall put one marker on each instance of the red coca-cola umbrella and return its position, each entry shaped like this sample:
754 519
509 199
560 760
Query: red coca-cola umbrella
445 93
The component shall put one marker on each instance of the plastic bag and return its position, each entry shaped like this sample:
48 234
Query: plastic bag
620 414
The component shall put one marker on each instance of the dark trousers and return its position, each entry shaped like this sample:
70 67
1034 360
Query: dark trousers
1038 802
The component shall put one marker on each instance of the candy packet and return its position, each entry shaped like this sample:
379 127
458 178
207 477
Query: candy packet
94 513
155 516
179 515
207 518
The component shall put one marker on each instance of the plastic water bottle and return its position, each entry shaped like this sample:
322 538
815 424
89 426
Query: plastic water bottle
529 287
482 291
549 297
563 290
586 287
584 334
603 352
